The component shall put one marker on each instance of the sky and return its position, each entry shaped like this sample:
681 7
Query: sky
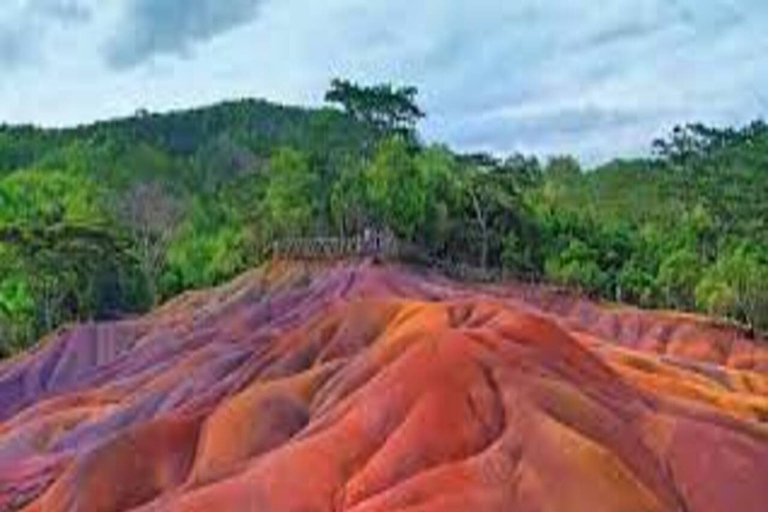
593 78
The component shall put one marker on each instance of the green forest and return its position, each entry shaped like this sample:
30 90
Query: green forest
110 219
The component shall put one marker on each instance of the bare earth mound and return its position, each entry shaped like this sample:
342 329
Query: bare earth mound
367 388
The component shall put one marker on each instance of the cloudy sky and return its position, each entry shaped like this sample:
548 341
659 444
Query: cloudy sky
593 78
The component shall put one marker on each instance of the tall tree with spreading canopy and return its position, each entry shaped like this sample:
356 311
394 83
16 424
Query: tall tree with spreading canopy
389 109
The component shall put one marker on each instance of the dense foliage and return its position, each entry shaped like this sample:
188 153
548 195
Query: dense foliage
108 219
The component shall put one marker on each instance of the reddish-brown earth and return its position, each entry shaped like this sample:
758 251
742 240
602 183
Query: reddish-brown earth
367 388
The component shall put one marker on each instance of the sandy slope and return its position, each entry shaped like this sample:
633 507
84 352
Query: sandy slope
365 388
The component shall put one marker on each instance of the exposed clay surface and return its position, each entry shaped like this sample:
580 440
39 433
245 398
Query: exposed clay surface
365 388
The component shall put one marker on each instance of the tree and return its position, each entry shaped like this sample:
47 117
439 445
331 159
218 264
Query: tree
576 266
561 175
395 189
289 203
389 109
62 273
349 206
636 284
737 286
220 160
494 201
678 275
48 197
60 259
444 198
697 229
17 307
151 215
209 247
564 169
520 252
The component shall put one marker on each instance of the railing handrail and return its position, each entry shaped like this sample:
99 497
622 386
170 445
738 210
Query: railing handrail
385 246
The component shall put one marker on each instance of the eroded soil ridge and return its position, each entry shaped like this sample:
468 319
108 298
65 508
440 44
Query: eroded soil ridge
365 388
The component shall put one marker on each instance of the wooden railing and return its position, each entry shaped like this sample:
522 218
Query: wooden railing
387 247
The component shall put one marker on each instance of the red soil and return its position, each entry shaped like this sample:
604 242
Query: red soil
364 388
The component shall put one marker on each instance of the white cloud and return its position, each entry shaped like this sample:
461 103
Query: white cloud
561 76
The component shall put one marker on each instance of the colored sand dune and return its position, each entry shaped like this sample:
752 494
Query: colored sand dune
367 388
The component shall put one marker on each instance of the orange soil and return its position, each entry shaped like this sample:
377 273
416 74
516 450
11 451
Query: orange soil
365 388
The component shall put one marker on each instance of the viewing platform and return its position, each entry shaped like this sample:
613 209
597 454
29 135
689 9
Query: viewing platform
385 247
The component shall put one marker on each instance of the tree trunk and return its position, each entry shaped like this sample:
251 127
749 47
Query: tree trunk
483 225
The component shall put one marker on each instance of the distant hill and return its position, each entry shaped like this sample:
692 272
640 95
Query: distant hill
257 126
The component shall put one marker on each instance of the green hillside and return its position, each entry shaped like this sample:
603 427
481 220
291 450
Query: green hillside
108 219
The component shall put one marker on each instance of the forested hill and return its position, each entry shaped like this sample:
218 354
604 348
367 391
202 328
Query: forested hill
255 125
109 219
76 203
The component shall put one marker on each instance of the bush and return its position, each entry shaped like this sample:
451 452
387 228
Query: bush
737 286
